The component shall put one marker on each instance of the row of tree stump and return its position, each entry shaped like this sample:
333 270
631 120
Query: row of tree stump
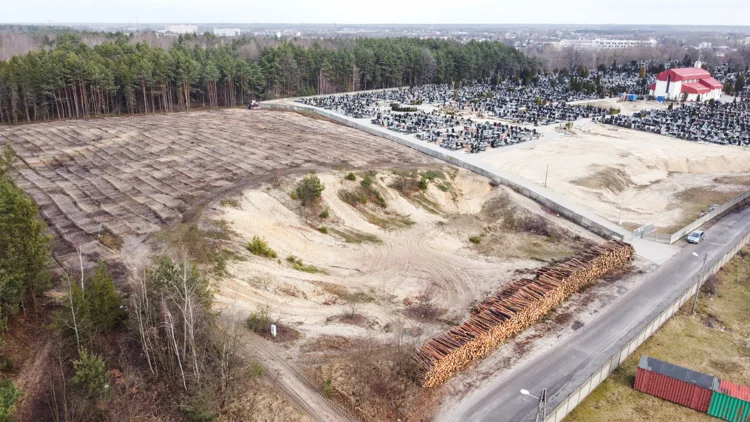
514 309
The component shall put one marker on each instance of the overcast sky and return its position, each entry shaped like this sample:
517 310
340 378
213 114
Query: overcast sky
679 12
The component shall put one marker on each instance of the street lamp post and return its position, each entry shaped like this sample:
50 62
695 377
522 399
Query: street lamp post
700 278
541 408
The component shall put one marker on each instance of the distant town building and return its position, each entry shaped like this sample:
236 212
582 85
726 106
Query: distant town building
690 83
605 44
182 29
227 32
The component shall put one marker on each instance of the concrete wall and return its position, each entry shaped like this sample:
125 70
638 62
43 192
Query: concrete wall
558 409
679 234
523 190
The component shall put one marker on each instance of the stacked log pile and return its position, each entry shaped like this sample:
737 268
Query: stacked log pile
514 309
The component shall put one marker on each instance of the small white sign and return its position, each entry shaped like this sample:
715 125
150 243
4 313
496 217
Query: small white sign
273 330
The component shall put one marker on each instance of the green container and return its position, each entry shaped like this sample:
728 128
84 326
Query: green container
729 408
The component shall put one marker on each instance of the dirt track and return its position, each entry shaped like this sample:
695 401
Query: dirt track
139 174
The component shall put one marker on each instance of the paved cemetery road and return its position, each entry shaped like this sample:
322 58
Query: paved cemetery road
563 368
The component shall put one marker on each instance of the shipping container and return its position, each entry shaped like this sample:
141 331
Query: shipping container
729 408
733 390
674 383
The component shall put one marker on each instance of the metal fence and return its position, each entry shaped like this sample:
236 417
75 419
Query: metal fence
638 336
641 231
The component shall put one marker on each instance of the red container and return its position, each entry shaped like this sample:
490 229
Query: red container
734 390
673 390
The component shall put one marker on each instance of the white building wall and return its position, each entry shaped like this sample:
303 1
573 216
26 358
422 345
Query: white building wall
182 29
226 32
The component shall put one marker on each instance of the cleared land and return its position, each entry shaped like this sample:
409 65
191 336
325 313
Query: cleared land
631 175
416 249
715 341
379 265
138 174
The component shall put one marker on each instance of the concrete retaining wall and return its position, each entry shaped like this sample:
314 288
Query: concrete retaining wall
679 234
523 190
636 337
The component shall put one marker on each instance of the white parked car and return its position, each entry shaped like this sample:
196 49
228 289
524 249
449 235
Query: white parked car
696 236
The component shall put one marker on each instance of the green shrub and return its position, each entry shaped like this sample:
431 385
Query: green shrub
256 370
353 197
423 183
475 239
104 301
323 229
367 181
90 376
433 174
324 214
259 321
9 395
328 388
199 404
8 366
351 177
230 202
309 189
260 247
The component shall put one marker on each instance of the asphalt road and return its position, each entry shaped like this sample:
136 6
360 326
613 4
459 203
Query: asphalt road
563 368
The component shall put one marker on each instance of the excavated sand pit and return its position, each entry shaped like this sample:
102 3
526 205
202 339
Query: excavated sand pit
368 269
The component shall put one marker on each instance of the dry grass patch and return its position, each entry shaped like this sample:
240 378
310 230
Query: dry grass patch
354 236
505 230
733 180
608 178
696 201
110 240
376 382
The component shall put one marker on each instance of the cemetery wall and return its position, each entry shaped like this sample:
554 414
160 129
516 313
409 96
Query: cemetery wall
679 234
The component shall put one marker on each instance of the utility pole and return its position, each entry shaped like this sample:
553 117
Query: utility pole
545 176
698 286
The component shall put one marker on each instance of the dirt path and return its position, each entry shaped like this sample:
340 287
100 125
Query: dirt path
283 374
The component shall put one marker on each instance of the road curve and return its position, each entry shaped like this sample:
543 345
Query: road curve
563 368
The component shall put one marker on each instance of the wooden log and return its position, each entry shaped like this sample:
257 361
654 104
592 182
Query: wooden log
519 305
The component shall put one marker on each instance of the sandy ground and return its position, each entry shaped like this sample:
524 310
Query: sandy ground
629 175
626 107
429 261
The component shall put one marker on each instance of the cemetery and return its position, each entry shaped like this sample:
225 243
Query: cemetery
720 123
468 117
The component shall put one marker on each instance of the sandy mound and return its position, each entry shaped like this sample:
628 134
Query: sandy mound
631 175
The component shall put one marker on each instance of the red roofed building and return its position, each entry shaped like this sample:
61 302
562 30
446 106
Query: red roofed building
696 83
